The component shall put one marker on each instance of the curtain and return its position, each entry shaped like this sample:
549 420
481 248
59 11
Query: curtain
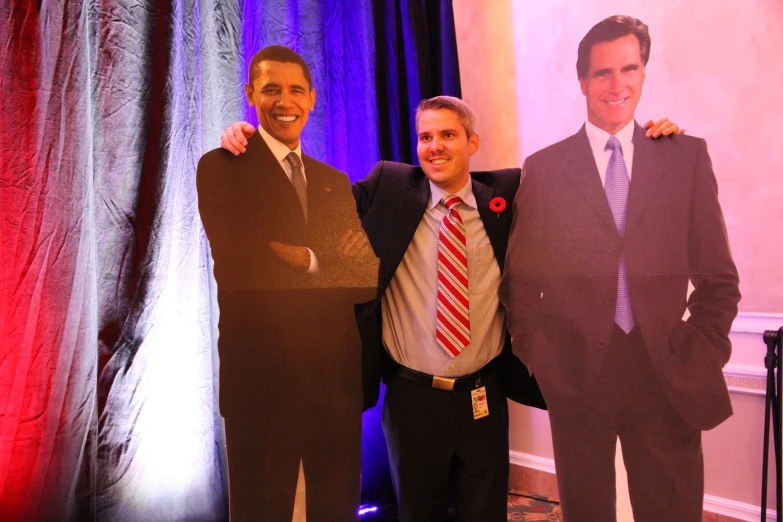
416 42
108 312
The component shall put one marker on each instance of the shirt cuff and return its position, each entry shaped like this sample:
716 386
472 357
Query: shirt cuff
313 268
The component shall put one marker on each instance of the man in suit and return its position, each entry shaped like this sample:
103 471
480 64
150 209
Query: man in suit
608 230
289 266
437 332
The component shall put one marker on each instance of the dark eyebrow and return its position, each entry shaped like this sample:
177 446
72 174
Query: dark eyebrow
631 67
272 85
453 131
599 72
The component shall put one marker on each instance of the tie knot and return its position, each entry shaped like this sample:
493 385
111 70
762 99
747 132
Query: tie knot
451 201
613 144
293 160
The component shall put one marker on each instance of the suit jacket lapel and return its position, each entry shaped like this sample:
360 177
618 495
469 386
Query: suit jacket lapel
582 174
414 201
492 221
274 175
259 151
643 177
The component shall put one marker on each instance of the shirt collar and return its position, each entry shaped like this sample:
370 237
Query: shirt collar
599 137
279 150
465 194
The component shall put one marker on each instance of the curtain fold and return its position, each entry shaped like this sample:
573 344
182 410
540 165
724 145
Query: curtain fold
416 50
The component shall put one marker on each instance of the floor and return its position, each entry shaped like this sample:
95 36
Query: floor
527 507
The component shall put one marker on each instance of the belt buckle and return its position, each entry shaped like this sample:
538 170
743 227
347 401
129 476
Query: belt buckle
443 383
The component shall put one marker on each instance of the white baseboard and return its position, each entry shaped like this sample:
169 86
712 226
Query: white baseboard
527 460
734 509
713 504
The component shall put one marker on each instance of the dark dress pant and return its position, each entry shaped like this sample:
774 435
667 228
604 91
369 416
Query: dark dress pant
300 399
440 454
661 452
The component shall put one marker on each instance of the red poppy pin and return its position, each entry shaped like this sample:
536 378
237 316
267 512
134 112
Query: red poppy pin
497 205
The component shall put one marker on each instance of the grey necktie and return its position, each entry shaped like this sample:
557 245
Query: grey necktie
298 181
617 184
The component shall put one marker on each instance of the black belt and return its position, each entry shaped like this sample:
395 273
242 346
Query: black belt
466 382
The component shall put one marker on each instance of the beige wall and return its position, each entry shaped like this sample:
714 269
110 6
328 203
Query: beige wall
716 71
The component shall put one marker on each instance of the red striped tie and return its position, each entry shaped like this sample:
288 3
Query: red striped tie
453 330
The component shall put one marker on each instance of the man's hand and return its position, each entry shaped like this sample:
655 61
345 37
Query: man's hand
234 139
659 127
295 256
354 243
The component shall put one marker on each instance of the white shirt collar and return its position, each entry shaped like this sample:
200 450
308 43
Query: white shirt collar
279 150
465 194
599 137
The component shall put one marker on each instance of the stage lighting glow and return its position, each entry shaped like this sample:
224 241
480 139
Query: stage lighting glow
366 508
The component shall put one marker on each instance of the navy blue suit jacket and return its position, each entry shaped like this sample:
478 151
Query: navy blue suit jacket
391 202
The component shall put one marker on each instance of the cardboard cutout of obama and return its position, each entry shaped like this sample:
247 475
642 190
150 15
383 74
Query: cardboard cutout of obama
290 262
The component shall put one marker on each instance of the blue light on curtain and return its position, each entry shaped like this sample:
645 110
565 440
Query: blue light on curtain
335 38
416 43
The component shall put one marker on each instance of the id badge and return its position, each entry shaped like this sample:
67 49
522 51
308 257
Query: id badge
479 400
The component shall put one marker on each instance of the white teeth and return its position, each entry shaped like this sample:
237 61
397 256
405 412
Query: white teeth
619 102
285 118
438 161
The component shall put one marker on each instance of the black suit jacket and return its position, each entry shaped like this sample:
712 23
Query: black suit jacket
560 284
279 325
391 202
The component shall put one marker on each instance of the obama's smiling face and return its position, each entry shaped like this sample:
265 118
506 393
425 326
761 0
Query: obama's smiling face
613 84
283 99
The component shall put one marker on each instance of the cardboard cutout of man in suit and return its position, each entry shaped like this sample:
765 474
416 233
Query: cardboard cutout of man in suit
608 230
289 265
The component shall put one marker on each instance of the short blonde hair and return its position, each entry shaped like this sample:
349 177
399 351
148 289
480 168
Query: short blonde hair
466 116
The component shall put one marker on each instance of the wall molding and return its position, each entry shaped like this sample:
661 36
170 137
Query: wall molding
713 504
756 322
748 380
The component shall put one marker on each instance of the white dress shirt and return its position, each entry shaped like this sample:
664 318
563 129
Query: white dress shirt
280 151
409 306
598 138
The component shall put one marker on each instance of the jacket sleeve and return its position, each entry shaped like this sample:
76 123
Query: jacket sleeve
364 190
522 282
713 303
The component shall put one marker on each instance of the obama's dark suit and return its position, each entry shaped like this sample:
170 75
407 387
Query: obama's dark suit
290 370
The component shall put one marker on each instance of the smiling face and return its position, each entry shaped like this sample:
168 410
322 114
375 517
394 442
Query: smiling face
444 148
613 84
282 98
